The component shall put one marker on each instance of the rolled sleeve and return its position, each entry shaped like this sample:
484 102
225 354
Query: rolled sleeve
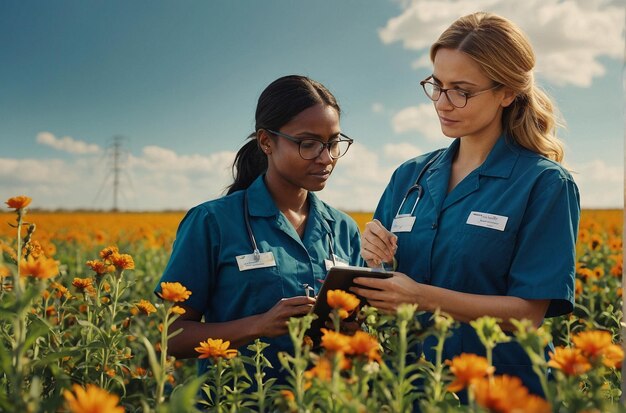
544 263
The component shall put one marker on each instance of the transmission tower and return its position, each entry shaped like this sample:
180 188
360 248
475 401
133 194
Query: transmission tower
116 157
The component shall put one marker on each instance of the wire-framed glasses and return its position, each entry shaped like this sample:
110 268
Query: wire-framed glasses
310 148
457 97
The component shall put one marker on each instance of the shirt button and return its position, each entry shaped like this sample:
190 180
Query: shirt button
434 225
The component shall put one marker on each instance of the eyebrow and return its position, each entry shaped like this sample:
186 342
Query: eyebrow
457 83
307 135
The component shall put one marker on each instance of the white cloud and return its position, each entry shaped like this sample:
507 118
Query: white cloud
569 37
67 144
400 152
156 179
422 118
600 184
378 107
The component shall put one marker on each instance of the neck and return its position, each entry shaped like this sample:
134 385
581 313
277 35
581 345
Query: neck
474 150
288 198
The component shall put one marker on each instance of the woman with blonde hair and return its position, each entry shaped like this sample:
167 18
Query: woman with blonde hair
488 225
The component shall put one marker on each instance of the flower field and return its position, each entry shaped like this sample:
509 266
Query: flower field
81 331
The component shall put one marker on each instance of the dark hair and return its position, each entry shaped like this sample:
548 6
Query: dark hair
280 102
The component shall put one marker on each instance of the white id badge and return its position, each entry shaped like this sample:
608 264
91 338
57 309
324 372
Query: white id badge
484 219
339 262
403 223
250 262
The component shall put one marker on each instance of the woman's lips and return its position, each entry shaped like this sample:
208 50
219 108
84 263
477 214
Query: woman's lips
446 121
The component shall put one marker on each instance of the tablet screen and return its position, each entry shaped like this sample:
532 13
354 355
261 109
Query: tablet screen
338 278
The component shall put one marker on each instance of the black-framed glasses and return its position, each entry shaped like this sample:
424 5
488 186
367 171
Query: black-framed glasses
310 148
457 98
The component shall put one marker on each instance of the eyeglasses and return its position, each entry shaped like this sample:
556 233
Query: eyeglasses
456 97
312 148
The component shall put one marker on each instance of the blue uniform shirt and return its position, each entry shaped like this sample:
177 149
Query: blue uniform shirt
212 234
532 257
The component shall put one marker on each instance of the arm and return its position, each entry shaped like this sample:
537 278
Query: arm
239 332
461 306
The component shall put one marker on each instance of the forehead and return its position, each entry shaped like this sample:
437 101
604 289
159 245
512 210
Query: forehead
453 66
319 119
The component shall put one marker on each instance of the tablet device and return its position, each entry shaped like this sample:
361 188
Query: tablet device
338 278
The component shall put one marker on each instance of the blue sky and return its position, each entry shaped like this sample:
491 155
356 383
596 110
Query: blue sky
180 80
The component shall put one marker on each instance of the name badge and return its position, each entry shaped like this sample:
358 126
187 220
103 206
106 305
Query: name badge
339 262
403 223
250 262
484 219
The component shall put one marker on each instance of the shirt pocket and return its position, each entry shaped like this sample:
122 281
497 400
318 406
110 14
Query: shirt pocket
484 255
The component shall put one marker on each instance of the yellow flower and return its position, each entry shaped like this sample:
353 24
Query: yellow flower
335 342
43 268
146 307
343 301
91 400
18 202
174 292
122 261
215 349
364 344
591 343
570 361
466 368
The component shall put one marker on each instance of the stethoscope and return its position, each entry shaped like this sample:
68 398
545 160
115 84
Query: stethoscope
417 187
257 253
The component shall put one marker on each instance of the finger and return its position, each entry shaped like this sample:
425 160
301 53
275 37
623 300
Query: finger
377 228
378 242
299 300
377 283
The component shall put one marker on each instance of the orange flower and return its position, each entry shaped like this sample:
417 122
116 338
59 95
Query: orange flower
174 292
343 301
570 361
322 370
335 342
4 272
82 284
100 267
288 395
178 310
363 344
18 202
42 268
146 307
613 356
578 286
93 399
122 261
502 394
536 404
106 252
591 343
467 367
215 349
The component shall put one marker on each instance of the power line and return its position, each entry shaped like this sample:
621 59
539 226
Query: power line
116 157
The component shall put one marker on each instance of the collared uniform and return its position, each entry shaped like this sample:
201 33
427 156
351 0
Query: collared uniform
509 228
213 234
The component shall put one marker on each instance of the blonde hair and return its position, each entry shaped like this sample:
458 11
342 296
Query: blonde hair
507 58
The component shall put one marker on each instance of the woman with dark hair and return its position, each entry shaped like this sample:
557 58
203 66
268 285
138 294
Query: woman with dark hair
488 225
251 257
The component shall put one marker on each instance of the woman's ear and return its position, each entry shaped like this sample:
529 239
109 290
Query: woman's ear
509 97
264 141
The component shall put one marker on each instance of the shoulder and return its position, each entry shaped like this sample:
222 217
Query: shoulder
542 168
340 217
216 210
416 164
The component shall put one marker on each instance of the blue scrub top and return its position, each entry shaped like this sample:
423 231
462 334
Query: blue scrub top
533 257
212 234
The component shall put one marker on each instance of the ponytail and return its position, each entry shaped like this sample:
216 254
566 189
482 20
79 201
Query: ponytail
250 162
